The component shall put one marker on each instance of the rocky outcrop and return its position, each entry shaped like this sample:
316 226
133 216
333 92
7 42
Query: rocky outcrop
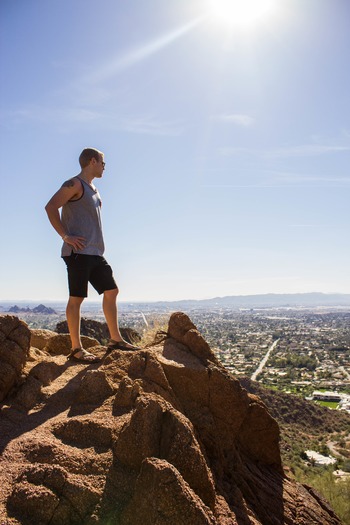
160 436
14 350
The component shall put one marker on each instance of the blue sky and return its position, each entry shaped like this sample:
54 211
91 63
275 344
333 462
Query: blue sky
227 146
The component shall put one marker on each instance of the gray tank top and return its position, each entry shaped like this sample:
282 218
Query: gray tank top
83 217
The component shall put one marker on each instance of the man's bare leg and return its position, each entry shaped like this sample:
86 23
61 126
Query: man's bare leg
110 311
73 320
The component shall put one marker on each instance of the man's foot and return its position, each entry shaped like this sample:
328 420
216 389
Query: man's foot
121 345
82 356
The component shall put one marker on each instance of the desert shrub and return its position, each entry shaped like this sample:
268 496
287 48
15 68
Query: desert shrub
336 492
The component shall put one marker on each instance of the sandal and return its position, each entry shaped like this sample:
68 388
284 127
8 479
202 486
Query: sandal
86 357
121 345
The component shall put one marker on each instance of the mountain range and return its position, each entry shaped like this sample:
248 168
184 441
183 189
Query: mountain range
269 300
40 309
314 299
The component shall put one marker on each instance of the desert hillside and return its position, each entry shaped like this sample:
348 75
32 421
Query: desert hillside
304 425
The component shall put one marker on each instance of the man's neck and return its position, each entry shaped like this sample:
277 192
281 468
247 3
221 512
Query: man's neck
86 176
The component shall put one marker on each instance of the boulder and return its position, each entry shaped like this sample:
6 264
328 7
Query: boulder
14 349
99 331
60 344
40 337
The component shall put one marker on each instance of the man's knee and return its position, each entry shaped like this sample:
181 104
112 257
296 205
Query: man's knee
75 301
111 293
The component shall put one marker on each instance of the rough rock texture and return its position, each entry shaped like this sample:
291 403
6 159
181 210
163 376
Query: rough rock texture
14 350
99 331
56 344
61 344
163 436
40 337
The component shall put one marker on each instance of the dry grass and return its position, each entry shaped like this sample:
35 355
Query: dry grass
154 334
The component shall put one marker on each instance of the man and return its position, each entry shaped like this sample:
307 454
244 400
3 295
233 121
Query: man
80 227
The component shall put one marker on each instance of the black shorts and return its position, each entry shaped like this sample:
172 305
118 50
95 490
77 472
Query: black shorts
83 269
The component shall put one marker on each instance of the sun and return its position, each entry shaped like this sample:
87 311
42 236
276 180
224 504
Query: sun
241 13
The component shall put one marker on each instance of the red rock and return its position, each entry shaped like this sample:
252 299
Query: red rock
40 337
162 497
14 349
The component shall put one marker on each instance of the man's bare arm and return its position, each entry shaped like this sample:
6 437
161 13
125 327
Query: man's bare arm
68 191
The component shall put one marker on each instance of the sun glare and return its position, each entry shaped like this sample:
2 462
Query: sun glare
241 13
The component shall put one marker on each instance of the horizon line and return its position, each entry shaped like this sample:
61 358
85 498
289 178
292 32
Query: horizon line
146 301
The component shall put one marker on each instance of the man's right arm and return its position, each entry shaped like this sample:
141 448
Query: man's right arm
68 191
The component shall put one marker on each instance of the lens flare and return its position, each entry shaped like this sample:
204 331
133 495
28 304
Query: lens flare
241 13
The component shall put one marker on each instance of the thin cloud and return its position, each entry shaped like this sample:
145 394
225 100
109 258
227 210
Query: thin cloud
299 178
142 124
238 119
261 178
231 152
47 114
307 150
149 125
308 226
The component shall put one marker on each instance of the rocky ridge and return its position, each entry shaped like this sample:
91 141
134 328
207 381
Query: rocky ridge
161 436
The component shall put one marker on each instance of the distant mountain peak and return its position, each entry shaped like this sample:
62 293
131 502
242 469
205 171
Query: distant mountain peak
40 309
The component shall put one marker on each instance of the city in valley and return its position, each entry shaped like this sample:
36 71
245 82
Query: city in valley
294 350
299 350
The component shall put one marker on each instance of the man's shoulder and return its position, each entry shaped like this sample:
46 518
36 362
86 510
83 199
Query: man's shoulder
74 182
73 189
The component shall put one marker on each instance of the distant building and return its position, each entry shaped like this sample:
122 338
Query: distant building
318 459
345 403
326 396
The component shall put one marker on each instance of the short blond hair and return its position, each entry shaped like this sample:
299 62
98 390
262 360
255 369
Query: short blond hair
87 154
